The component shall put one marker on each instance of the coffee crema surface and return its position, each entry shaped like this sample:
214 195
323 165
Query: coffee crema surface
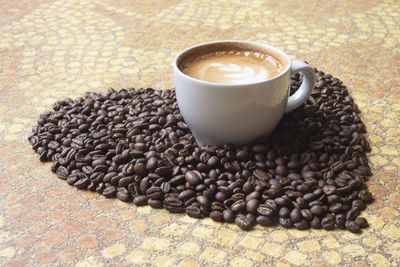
233 67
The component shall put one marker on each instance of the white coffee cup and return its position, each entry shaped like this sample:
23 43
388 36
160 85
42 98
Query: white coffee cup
238 113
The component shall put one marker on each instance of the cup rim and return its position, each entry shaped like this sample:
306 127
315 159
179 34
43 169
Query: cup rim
276 50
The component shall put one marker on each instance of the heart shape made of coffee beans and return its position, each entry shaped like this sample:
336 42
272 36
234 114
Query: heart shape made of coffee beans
134 145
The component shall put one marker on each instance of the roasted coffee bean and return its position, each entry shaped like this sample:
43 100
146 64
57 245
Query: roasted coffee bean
285 222
361 222
165 187
123 194
216 216
340 220
82 183
186 194
252 218
203 200
352 214
154 193
134 144
109 191
295 215
72 178
328 222
238 205
163 171
252 205
306 214
228 215
336 208
243 222
317 210
302 225
358 204
316 223
265 210
264 221
353 227
284 212
155 203
62 173
140 200
174 205
193 211
193 177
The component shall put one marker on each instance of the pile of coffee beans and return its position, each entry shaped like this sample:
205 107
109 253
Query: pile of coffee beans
134 145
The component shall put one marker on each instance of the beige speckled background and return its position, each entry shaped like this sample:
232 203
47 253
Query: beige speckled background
52 49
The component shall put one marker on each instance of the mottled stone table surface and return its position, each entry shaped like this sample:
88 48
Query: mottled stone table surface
52 49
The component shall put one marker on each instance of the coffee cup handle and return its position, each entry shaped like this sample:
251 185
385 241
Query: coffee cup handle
306 87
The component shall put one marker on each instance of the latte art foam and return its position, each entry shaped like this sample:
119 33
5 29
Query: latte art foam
233 67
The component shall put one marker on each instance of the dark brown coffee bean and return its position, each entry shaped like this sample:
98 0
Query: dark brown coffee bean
352 214
154 193
285 222
155 203
352 227
260 174
123 194
340 220
302 225
165 187
140 169
295 215
193 211
203 200
193 177
284 212
336 208
144 185
316 223
186 194
280 201
62 173
151 164
124 182
238 205
216 216
358 204
140 200
328 222
306 214
317 210
228 215
109 191
177 180
82 183
174 205
213 162
329 190
361 222
252 205
265 210
163 171
333 199
72 178
264 221
243 155
281 170
243 222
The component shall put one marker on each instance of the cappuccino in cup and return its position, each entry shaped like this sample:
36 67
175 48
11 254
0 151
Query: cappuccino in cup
233 66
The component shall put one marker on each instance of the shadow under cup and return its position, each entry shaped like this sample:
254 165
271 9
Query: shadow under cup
220 113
